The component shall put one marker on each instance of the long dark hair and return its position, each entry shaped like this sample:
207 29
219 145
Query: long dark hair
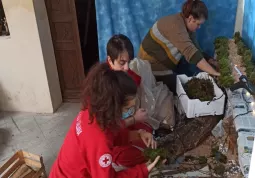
196 8
105 93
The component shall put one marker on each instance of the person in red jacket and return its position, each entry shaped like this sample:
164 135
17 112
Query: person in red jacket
89 148
120 52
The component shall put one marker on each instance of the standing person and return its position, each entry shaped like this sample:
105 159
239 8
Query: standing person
174 36
90 149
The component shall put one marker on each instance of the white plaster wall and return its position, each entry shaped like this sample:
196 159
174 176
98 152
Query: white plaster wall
28 73
239 16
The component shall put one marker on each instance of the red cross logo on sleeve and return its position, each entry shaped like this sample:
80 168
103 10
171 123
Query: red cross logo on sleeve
105 160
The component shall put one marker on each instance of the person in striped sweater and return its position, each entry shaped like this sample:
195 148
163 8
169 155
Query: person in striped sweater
173 37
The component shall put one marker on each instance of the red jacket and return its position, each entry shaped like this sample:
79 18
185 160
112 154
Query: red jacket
87 152
135 77
132 74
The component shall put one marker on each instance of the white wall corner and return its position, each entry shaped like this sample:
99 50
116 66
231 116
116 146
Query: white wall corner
48 53
28 73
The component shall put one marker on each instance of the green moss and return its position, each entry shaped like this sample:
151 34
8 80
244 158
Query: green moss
226 81
252 77
221 48
201 89
237 37
151 154
221 40
219 169
241 48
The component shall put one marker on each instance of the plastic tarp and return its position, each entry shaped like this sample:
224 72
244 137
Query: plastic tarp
248 32
134 18
155 97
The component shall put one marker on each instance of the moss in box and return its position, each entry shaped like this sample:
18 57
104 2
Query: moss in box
201 89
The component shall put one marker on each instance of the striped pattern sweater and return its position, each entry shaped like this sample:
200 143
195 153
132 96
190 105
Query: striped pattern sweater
167 41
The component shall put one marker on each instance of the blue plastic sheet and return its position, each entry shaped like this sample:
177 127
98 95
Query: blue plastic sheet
248 32
134 18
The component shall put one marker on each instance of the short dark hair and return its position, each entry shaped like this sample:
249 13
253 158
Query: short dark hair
196 8
105 93
119 44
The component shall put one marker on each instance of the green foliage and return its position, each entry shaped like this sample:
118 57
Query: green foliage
201 89
221 48
241 48
246 58
151 154
252 78
237 37
220 41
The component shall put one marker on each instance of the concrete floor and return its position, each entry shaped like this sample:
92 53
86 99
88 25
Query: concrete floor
40 134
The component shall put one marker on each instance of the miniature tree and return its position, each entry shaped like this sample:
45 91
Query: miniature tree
221 48
237 37
246 57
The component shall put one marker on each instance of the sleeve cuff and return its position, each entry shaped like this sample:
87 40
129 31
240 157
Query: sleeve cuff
206 56
196 58
145 170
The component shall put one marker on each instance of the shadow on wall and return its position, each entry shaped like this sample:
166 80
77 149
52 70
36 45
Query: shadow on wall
5 100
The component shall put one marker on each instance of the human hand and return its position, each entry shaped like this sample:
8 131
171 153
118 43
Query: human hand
217 74
150 165
141 115
148 139
214 63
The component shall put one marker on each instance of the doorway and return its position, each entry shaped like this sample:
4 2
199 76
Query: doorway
87 25
74 35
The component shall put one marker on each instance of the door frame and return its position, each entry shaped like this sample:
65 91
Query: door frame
71 94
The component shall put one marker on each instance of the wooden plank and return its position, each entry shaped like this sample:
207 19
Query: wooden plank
12 169
19 158
31 156
33 164
9 162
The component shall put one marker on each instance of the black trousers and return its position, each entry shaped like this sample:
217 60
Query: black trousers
182 68
169 81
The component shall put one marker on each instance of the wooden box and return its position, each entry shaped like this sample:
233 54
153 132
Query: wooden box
34 162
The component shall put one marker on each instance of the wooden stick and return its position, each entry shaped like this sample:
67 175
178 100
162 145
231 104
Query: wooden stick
20 171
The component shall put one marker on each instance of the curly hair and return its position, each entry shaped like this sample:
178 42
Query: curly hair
105 93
